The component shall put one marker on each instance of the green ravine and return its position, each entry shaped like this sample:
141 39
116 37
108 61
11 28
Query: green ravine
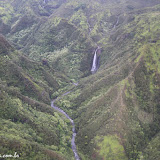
47 49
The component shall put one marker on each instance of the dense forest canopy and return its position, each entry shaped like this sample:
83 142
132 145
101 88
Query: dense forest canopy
47 50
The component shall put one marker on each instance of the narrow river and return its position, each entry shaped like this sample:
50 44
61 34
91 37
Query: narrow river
73 128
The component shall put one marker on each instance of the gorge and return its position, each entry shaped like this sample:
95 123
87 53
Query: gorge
73 130
97 62
73 145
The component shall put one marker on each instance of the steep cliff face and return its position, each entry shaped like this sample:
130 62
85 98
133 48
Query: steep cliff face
116 110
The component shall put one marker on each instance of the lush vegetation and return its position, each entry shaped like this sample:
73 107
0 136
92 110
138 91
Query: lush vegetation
28 124
51 46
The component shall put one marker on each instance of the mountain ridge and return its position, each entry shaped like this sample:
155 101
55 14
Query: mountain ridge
115 110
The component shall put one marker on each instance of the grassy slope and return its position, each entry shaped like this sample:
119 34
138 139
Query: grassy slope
28 124
59 30
51 38
118 106
120 102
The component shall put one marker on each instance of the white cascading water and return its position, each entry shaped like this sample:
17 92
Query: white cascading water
94 64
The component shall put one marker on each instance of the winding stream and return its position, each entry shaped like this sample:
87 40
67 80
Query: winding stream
73 127
93 70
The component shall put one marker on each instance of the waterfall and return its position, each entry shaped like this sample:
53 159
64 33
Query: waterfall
94 64
116 23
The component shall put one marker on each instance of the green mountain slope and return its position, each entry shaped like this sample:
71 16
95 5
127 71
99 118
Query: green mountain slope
28 124
116 110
